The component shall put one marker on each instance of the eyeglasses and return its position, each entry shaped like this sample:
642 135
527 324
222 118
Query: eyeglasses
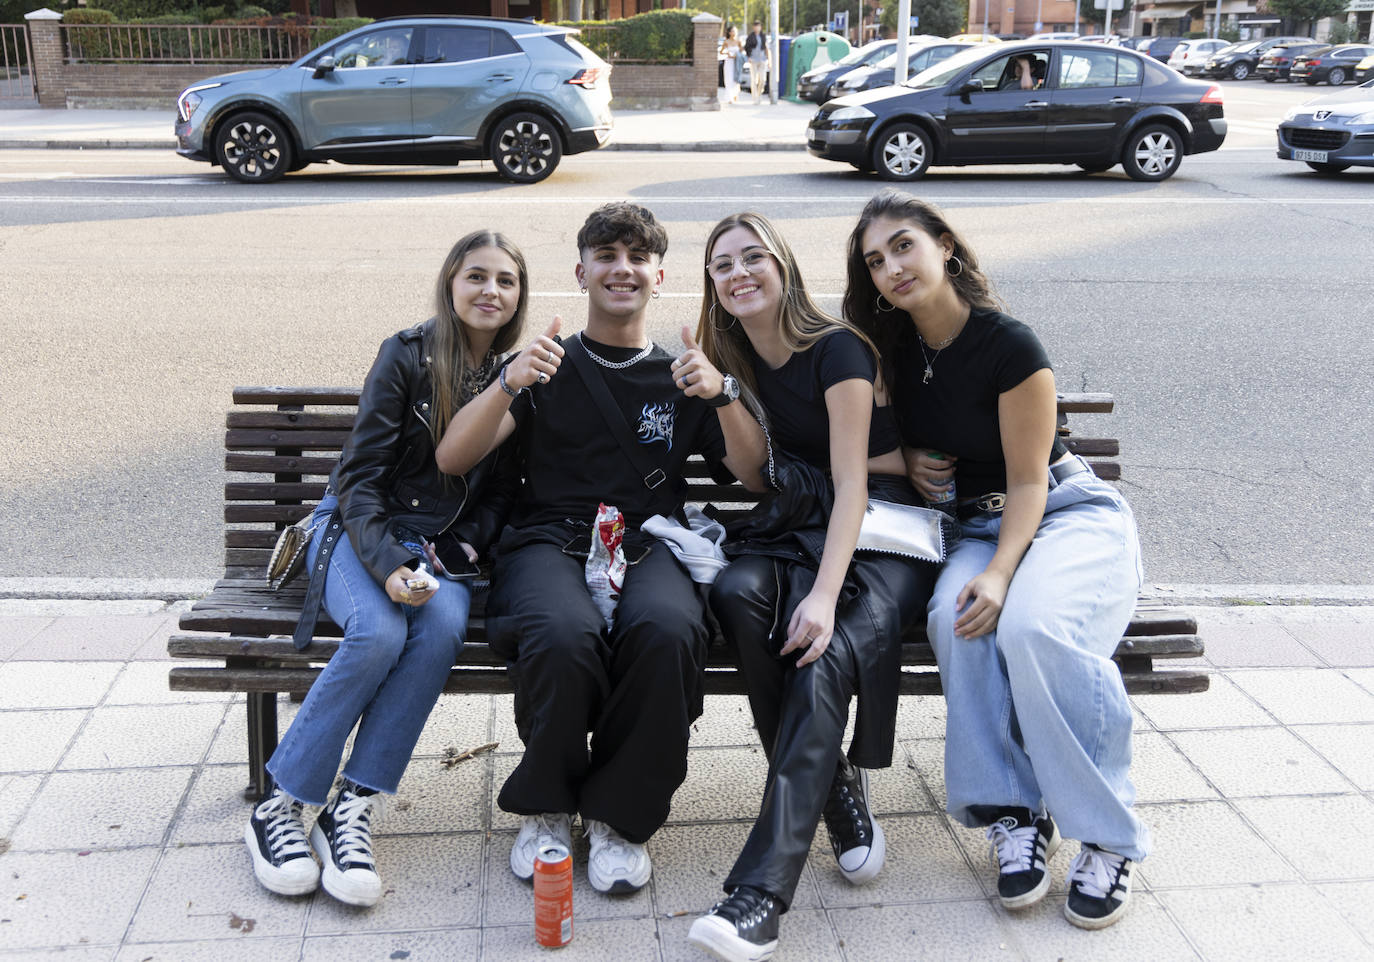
751 261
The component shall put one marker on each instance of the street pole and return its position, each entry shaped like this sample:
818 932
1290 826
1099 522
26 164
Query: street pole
1216 23
1107 29
903 32
773 67
1039 23
986 4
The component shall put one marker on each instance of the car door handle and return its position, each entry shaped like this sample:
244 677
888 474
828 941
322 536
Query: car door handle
391 81
1037 103
500 78
1122 100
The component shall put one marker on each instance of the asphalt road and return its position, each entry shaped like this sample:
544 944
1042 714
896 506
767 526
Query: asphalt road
1226 309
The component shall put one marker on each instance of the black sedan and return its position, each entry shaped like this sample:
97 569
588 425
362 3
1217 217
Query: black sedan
1275 64
1335 64
922 56
814 85
1097 106
1239 60
1331 133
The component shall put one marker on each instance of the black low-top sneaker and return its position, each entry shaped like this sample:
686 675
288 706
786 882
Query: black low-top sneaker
1021 847
856 838
275 836
342 837
1099 887
742 927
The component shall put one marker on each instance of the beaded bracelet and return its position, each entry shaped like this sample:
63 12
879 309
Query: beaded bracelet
504 386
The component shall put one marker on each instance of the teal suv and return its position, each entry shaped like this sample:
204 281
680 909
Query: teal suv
408 90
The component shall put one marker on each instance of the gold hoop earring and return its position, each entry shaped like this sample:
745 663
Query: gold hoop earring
954 259
711 316
878 305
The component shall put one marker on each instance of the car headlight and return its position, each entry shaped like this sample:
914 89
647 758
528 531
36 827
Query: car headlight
190 99
1365 118
851 113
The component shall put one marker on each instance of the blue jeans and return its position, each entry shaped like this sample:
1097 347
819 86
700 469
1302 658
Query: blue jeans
1037 712
385 678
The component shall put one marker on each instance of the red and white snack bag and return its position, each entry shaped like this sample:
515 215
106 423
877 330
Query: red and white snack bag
606 562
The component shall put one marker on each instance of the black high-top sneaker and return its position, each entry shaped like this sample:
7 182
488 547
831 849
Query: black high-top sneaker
742 927
1021 846
1099 887
275 836
856 838
342 837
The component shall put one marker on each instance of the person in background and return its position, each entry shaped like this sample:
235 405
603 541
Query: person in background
732 54
756 51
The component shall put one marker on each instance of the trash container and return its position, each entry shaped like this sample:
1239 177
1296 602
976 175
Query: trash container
811 50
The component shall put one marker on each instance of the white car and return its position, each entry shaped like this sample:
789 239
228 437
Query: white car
1053 36
1190 57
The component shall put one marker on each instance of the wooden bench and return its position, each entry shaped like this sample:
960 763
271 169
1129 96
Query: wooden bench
280 445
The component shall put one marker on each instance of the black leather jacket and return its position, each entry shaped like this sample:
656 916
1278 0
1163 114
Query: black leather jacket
386 475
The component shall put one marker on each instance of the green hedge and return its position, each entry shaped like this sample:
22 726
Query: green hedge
660 36
88 15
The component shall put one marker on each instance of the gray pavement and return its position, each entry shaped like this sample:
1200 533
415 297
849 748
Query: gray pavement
121 820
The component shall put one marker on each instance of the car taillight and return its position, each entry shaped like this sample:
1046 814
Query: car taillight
1212 96
586 77
1315 63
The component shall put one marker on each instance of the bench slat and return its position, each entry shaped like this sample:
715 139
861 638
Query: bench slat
297 395
252 439
279 464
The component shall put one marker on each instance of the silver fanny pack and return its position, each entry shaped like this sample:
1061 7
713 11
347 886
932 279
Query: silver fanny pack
889 527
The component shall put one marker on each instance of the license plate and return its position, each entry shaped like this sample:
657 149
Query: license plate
1315 156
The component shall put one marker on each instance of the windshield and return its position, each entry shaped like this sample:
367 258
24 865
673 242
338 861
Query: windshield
860 55
943 73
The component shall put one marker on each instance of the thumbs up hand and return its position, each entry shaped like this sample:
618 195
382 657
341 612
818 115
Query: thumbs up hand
693 373
539 362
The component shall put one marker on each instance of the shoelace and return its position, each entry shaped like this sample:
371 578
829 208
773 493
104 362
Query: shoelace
285 832
1014 848
353 836
743 908
1096 871
849 806
548 828
608 840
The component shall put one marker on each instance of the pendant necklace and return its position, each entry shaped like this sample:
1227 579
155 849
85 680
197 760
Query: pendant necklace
929 371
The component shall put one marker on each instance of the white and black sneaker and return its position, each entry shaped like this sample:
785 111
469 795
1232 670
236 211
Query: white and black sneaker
1021 847
275 836
615 865
742 927
856 838
342 838
1099 887
536 832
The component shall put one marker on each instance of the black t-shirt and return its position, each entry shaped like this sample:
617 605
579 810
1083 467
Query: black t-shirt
957 411
571 460
794 397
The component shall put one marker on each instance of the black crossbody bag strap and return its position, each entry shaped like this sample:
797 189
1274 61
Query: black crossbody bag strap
651 474
314 594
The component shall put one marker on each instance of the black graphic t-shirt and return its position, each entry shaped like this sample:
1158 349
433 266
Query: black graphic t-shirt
571 460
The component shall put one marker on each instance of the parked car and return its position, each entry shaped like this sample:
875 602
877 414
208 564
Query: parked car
976 38
1275 64
1364 70
1136 42
884 72
1161 47
1052 35
407 90
815 84
1239 61
1113 39
1334 64
1190 57
1331 133
1099 106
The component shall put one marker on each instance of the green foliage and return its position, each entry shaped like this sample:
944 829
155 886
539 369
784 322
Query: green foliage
943 18
1090 13
1307 11
1229 34
1343 33
659 36
129 11
88 15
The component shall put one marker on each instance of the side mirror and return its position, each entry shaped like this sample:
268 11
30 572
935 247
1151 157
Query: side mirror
970 87
323 66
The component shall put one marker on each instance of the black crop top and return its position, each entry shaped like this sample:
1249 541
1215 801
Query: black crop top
794 397
956 412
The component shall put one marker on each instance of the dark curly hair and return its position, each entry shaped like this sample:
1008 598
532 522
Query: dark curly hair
635 226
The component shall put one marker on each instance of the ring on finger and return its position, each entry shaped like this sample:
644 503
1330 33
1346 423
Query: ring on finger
542 377
551 357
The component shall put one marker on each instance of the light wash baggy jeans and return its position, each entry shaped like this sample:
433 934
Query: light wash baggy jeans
386 676
1037 712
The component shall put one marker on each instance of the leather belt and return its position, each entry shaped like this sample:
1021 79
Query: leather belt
994 501
314 595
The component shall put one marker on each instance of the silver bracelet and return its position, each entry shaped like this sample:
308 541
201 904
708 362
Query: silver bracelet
504 386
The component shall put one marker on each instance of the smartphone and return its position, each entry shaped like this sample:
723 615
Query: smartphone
581 545
461 568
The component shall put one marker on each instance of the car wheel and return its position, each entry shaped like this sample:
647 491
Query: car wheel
1336 77
1310 81
1327 168
902 152
1152 153
1095 168
1269 78
253 148
525 148
1239 71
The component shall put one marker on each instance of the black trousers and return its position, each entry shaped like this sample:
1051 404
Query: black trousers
800 713
637 688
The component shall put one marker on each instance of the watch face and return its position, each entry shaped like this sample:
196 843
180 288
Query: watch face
730 387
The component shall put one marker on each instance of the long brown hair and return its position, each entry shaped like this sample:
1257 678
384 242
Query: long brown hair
800 321
450 354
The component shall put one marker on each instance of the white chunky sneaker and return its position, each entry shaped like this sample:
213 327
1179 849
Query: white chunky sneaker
537 831
275 836
342 838
615 865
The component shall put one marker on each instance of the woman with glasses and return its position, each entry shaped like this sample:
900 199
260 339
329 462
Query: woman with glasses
813 624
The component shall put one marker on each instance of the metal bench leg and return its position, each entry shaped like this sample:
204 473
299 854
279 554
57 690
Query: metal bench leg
262 742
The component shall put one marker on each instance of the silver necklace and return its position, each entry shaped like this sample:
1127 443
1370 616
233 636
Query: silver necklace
937 348
614 365
474 379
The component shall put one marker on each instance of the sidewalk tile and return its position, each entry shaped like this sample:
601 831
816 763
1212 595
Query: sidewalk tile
921 716
1206 843
509 901
692 862
459 722
50 684
501 767
1315 833
503 724
1255 646
145 683
1352 901
805 934
1270 923
1307 695
209 892
929 931
595 941
428 881
700 797
1228 758
17 630
926 756
1223 705
727 720
90 638
432 796
15 793
898 789
38 893
1161 773
1342 645
452 945
238 949
231 742
134 736
1145 933
102 810
1348 747
923 862
35 740
154 647
83 953
1364 677
215 809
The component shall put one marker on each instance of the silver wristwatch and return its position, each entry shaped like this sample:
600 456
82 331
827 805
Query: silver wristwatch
729 391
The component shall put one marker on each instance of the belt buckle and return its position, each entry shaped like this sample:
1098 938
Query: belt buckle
992 503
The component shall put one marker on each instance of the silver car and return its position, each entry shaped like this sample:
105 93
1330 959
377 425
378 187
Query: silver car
408 90
1331 133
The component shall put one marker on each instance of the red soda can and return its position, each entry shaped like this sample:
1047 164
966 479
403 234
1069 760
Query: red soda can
553 890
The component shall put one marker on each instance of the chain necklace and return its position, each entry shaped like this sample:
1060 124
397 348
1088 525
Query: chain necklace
614 365
474 379
937 348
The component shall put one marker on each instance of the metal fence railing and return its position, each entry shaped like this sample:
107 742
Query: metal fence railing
16 63
191 44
